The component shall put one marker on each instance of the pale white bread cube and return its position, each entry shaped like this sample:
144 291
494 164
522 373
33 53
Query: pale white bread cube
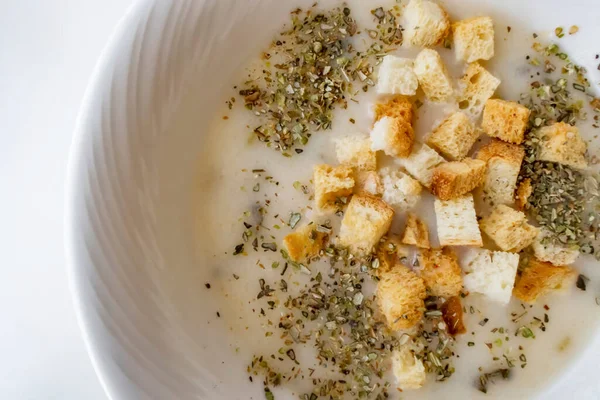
365 221
408 369
454 137
503 167
393 136
433 76
457 222
421 164
477 85
399 189
355 151
368 182
474 39
426 24
561 143
491 274
554 253
396 76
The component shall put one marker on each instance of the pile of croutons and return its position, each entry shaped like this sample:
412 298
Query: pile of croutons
444 165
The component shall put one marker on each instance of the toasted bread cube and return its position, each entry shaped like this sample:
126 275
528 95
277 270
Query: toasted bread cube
491 274
474 39
561 143
554 253
408 369
416 232
433 76
355 151
390 252
400 189
305 243
457 222
400 295
331 185
503 167
394 136
509 229
397 107
457 178
366 220
454 137
441 272
396 76
368 182
426 24
541 278
420 164
452 313
505 120
478 86
523 192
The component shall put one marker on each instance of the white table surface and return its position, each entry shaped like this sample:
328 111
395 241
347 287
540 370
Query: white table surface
48 49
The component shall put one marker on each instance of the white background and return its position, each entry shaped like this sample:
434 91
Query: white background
48 49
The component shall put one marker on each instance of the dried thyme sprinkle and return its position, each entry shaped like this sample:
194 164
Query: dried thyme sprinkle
487 378
294 219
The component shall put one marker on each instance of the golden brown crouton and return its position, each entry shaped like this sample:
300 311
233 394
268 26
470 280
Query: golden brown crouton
398 107
508 228
305 243
416 232
505 120
503 167
368 182
474 39
433 76
562 144
366 220
523 192
400 295
457 178
355 151
394 136
331 185
452 313
454 137
389 253
441 272
540 278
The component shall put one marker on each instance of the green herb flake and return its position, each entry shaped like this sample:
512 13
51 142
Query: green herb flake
294 219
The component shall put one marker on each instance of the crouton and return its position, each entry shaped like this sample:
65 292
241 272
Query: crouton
400 189
416 232
491 274
408 369
426 24
390 252
554 253
457 178
561 143
305 243
394 136
452 314
400 295
503 167
355 151
474 39
433 76
457 222
505 120
454 137
478 86
396 76
508 228
540 278
441 272
365 221
368 182
523 192
420 164
397 107
331 185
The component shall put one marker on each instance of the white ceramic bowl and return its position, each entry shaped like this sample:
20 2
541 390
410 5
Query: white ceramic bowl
140 298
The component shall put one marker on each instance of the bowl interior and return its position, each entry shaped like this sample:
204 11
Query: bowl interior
139 176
